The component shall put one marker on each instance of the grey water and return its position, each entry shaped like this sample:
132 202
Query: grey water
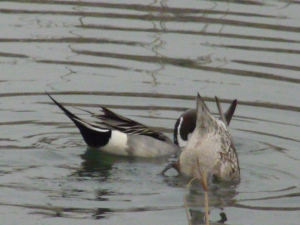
146 60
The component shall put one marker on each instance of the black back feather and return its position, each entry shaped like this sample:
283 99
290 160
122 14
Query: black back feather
89 132
125 125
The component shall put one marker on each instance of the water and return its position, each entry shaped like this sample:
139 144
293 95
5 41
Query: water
146 61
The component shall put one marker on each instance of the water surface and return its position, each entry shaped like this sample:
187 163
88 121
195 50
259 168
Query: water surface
146 61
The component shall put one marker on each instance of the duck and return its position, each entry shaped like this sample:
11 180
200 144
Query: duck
186 123
210 147
118 135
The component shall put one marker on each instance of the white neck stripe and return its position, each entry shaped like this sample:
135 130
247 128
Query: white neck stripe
180 141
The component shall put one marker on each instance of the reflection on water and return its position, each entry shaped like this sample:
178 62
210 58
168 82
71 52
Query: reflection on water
146 61
96 164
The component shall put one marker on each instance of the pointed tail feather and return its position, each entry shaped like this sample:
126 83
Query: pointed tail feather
230 111
94 136
199 98
227 116
201 103
204 117
223 119
67 112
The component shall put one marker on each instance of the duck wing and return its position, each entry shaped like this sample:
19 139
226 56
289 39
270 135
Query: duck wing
115 121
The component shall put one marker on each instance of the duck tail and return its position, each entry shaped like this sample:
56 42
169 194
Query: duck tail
222 116
93 135
204 117
230 111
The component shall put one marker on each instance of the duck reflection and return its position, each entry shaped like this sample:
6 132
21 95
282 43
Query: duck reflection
221 195
96 164
100 213
198 217
100 165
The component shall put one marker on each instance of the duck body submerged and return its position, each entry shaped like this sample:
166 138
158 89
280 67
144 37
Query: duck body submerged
210 147
207 139
118 135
